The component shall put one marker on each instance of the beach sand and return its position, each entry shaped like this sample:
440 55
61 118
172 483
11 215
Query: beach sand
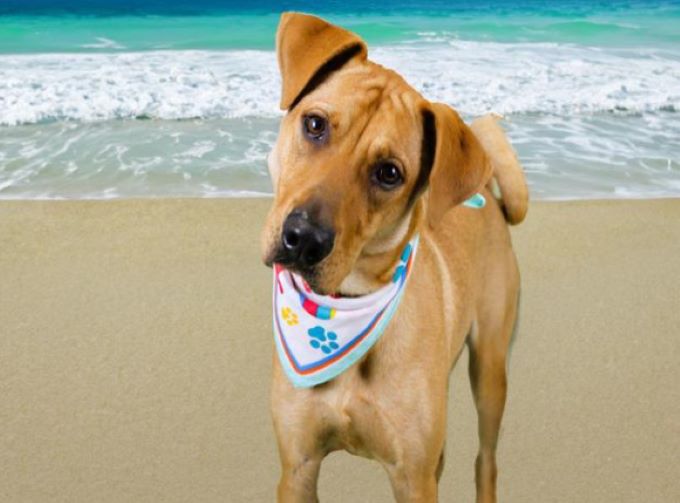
135 356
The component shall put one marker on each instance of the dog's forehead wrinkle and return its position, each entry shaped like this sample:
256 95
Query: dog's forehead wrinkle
384 137
363 94
399 99
364 110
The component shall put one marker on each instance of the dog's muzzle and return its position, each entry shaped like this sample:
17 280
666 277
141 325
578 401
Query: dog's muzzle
304 243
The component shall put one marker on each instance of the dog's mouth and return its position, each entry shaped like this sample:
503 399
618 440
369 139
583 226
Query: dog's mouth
312 276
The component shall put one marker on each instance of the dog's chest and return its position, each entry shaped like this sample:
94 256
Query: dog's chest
358 420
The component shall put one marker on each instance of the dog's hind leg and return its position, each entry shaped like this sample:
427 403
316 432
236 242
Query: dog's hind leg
488 349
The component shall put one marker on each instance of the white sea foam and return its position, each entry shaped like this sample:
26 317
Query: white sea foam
476 77
168 85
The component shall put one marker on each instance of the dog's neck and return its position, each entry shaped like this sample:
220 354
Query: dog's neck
380 256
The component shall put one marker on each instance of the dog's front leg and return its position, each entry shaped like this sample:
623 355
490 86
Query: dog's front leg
298 434
299 476
415 477
413 484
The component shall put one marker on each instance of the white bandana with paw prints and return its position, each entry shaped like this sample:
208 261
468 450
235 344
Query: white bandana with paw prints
320 336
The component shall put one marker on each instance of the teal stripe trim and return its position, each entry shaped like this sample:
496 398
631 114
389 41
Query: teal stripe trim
477 201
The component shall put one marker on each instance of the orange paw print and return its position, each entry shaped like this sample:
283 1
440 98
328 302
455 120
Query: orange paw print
290 317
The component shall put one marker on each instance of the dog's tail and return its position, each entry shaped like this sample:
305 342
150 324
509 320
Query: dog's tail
508 183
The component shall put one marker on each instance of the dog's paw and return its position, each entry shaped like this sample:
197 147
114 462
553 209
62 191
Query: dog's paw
290 317
320 339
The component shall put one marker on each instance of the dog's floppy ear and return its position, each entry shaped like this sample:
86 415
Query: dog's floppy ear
459 167
308 49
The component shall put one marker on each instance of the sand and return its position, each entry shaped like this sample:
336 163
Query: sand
135 355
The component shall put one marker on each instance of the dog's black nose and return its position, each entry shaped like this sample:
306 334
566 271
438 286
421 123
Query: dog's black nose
303 242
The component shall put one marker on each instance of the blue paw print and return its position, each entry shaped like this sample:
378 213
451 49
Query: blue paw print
320 339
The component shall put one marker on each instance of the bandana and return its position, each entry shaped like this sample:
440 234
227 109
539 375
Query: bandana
320 336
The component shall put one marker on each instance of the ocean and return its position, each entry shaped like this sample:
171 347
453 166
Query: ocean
118 99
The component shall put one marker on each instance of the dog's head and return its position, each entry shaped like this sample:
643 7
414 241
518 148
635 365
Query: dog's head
357 150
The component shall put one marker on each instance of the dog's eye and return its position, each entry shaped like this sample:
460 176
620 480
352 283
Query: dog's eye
315 127
387 175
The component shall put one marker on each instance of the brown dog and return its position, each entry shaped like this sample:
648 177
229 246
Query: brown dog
363 162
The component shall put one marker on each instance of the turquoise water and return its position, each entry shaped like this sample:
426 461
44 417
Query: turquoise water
654 26
118 99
